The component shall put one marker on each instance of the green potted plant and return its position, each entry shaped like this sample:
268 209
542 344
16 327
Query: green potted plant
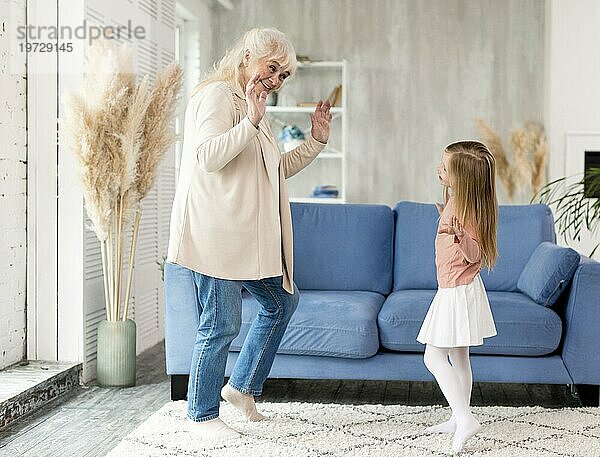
575 202
119 131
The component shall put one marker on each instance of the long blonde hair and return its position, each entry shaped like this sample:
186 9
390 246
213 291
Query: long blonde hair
472 176
261 43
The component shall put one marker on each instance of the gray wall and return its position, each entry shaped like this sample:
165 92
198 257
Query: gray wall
420 73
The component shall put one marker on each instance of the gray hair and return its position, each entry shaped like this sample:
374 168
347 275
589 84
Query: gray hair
266 43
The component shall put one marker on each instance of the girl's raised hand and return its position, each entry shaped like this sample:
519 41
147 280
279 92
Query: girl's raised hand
320 120
257 103
454 228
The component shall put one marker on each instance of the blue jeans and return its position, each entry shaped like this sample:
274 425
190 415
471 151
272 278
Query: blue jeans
219 305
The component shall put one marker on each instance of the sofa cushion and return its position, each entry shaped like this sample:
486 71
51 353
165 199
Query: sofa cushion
326 323
414 250
343 247
523 326
521 228
548 271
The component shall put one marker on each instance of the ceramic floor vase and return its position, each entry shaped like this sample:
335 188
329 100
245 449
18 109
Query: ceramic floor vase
116 353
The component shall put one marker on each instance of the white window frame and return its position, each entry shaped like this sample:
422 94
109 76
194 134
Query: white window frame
54 203
42 210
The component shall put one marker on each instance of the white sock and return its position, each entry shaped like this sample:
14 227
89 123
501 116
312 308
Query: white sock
214 429
449 380
464 431
448 426
459 357
242 402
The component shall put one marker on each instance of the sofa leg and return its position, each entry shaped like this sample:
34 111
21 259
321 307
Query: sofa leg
179 386
588 394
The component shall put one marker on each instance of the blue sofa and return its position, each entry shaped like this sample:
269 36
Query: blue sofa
367 276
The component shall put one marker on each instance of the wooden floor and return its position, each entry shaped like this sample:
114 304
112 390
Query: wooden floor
92 420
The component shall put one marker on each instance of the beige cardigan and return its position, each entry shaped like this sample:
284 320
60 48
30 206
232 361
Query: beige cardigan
231 214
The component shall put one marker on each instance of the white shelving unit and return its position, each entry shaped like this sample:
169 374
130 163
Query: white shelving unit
316 200
300 109
339 120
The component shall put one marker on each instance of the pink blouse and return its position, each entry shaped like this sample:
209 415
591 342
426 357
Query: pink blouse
457 260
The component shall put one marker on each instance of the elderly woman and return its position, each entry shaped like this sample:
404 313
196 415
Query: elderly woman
231 226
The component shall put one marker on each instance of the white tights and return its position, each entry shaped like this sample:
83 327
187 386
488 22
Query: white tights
455 381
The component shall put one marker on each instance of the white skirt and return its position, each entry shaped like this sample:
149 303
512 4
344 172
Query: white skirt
458 316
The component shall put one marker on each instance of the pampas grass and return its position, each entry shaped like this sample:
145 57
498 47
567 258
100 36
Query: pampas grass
539 156
157 136
119 131
494 143
519 141
529 145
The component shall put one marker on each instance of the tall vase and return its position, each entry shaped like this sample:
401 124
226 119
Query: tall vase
116 353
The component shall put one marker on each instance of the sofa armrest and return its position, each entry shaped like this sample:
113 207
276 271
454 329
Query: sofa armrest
581 342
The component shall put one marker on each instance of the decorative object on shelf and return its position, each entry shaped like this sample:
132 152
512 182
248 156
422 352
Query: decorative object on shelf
290 137
530 151
302 58
572 206
326 191
119 131
335 98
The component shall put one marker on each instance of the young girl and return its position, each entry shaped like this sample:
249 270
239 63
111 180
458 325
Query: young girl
459 315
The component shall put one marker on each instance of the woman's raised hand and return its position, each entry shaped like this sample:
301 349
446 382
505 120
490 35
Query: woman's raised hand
320 120
256 102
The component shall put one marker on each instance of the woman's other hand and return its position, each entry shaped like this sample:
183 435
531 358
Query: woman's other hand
256 102
321 119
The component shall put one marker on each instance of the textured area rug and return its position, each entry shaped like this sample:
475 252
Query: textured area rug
310 429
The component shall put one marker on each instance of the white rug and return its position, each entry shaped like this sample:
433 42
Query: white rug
309 429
